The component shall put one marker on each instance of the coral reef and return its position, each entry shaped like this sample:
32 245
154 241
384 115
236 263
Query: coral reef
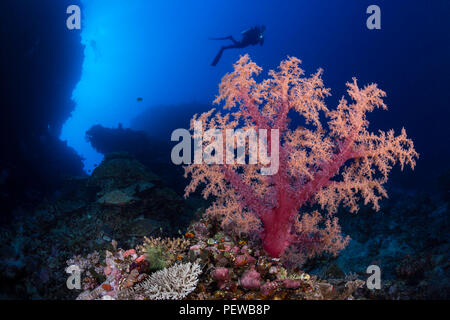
407 239
83 219
125 275
234 268
339 163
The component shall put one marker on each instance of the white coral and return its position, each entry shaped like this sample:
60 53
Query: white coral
171 283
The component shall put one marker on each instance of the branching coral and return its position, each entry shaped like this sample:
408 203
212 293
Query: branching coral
338 163
171 283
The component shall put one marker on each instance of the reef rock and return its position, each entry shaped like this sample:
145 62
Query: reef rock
120 170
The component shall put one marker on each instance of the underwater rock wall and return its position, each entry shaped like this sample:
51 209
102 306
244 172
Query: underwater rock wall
41 65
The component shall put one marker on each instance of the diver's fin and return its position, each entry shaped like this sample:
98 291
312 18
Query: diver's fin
217 58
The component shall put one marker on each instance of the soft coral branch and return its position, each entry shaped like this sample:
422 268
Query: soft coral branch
249 199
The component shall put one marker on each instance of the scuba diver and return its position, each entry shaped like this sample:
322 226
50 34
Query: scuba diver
251 36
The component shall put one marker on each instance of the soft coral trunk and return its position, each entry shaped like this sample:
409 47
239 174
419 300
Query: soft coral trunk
277 232
276 236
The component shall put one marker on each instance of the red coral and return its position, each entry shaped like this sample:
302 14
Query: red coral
291 283
341 162
251 280
130 252
269 288
221 275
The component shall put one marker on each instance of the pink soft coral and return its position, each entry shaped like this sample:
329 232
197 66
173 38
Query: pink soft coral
339 163
251 279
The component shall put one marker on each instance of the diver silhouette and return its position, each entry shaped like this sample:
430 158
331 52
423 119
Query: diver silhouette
250 37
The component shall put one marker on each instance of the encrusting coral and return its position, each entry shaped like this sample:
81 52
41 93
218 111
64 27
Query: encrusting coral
339 163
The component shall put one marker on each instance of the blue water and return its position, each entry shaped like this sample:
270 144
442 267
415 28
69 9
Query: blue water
159 51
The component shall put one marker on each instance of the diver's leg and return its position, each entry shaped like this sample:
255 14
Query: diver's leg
221 38
226 38
232 39
219 54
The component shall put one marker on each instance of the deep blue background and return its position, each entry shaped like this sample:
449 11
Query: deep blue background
160 51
